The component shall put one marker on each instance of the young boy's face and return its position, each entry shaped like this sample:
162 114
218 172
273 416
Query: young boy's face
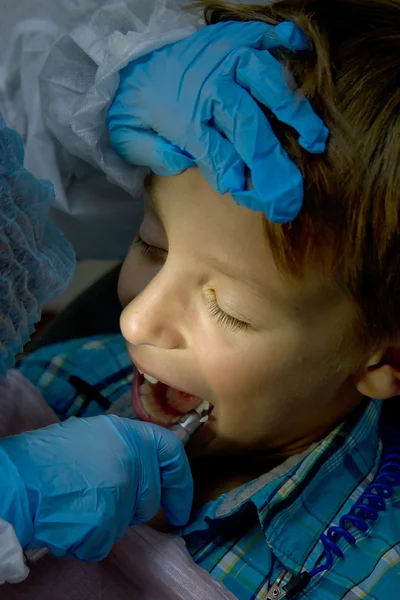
207 312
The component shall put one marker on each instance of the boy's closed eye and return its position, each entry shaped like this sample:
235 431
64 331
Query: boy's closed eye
224 319
148 249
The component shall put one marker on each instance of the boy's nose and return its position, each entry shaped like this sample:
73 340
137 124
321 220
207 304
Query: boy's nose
155 317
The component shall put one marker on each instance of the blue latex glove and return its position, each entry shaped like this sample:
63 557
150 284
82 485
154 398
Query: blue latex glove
194 103
75 487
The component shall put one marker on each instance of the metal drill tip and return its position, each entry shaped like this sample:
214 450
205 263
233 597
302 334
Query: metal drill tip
203 410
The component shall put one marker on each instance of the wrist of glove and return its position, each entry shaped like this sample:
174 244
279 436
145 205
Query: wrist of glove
76 486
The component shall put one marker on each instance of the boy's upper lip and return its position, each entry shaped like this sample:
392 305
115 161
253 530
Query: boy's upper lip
169 384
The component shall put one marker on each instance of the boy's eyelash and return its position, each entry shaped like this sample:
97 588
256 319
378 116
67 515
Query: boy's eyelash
146 248
223 318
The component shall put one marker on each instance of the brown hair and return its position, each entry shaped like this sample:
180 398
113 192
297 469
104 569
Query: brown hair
350 222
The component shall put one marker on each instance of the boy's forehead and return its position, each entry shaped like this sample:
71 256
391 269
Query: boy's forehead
231 239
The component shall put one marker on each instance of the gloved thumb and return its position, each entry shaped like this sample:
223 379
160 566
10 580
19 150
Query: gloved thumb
146 148
291 36
166 478
176 479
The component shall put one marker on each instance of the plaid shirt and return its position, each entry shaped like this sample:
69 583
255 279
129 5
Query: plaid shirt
248 536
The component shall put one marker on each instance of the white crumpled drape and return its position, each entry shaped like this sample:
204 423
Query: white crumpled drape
56 84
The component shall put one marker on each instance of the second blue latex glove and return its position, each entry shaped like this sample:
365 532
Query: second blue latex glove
75 487
195 103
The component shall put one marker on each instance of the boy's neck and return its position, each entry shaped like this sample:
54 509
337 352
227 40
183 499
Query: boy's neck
214 476
217 474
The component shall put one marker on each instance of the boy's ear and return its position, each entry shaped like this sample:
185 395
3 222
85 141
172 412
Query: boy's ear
380 378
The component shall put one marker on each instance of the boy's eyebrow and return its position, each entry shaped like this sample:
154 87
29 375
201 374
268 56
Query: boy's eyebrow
223 267
234 273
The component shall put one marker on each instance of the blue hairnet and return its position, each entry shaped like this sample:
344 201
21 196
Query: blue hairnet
36 260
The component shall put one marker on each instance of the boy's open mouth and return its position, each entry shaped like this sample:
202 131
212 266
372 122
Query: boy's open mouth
158 403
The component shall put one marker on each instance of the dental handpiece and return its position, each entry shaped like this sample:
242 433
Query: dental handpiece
187 426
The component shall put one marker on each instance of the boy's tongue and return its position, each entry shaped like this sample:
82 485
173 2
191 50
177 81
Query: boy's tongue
160 403
170 399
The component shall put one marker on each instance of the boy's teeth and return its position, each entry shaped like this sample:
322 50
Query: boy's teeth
150 379
203 406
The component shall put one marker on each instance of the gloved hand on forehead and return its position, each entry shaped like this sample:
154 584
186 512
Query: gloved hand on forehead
197 102
36 260
76 486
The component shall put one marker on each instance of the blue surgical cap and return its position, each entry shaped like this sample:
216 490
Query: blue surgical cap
36 260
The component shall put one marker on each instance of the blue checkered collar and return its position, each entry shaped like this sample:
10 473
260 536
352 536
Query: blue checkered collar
290 506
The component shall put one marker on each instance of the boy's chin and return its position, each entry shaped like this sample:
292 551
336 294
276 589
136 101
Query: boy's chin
208 441
204 442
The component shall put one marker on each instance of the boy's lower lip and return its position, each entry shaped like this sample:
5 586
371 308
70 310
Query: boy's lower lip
165 415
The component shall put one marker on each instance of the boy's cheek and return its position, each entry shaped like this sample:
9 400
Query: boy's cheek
261 392
248 369
244 388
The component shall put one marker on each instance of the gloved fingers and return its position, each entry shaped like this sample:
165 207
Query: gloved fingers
146 148
264 78
149 494
252 34
276 178
283 203
279 183
213 154
258 34
141 444
93 547
291 37
176 480
216 158
168 159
